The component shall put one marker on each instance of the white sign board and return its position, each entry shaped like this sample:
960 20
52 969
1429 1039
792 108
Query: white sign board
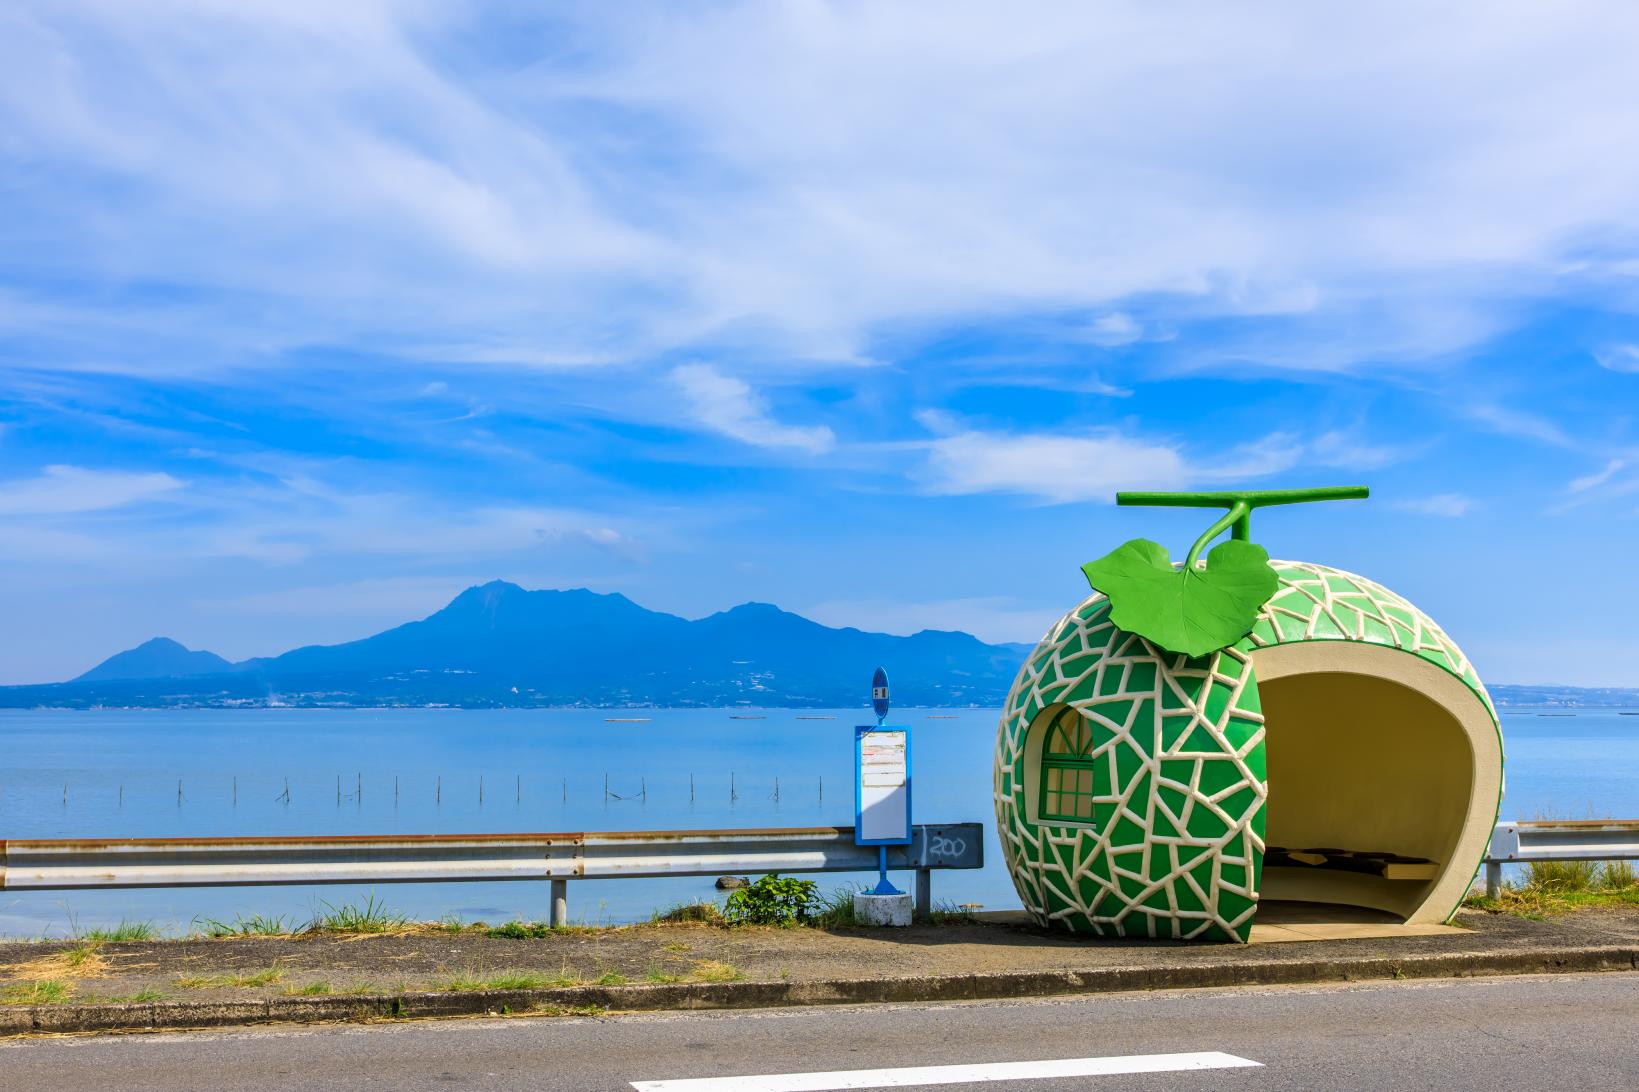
882 789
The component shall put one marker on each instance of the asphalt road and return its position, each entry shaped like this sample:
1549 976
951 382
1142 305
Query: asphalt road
1538 1032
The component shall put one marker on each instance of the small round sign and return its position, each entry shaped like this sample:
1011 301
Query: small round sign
879 693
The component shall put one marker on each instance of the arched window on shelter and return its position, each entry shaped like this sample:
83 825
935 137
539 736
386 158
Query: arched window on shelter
1067 768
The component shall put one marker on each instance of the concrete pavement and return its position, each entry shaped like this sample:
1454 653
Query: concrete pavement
1536 1032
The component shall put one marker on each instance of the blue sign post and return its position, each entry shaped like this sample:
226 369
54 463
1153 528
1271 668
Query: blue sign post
882 783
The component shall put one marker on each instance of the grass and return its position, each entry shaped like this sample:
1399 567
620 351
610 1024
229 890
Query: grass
236 981
683 913
312 989
710 970
836 908
83 957
254 926
513 981
1557 887
452 924
138 997
369 917
83 960
522 930
46 991
1618 876
1561 875
125 930
658 977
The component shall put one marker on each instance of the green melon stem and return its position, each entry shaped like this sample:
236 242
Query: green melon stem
1237 518
1240 503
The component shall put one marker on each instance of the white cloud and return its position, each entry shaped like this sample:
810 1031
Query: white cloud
726 404
1113 329
1061 467
1057 469
1350 452
605 182
1593 481
1449 505
62 490
1619 358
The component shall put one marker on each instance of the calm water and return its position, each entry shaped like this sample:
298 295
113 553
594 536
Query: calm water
545 771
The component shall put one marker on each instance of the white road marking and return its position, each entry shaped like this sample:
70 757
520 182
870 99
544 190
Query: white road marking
951 1074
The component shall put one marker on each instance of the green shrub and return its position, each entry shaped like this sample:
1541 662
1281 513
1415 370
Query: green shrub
772 900
1618 876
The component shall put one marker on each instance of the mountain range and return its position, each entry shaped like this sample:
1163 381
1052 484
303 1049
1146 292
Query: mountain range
501 645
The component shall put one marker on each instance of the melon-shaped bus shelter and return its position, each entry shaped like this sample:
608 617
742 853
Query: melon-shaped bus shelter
1342 752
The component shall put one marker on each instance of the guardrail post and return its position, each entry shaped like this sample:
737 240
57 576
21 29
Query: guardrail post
558 916
924 893
1493 879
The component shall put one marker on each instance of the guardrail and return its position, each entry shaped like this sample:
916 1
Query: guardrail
1558 840
65 864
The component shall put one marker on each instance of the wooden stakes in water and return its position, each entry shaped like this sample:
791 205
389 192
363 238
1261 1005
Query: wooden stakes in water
236 791
518 789
284 797
438 790
395 790
480 790
566 790
179 793
691 788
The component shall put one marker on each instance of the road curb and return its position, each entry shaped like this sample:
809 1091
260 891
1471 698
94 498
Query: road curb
181 1015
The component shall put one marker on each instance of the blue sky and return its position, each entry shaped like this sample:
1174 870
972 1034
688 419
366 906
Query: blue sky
313 314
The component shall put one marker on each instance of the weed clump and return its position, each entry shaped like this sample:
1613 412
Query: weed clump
46 991
686 913
125 930
370 917
773 900
521 930
254 926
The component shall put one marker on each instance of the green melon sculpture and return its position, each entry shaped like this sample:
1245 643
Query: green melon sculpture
1192 739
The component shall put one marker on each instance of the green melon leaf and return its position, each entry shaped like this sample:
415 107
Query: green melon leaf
1189 611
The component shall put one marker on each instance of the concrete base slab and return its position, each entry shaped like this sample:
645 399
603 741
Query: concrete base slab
890 910
1281 922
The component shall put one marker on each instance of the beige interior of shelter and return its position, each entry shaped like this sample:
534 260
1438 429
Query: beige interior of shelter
1372 748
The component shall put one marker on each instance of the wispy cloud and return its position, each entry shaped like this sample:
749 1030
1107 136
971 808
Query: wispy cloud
1061 467
1449 505
1053 468
727 404
61 490
401 175
1599 477
1619 358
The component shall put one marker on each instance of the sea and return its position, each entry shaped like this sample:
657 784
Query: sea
164 773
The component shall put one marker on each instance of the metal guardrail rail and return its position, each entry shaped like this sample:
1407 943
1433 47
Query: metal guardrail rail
66 864
1558 840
